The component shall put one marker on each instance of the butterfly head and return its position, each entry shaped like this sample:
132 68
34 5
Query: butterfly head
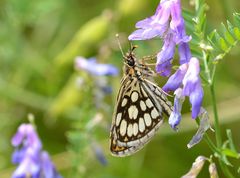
129 57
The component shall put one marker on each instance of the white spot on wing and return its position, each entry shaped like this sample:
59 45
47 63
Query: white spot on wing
149 103
133 112
154 113
134 96
141 125
147 119
135 129
118 118
130 130
123 127
143 105
124 102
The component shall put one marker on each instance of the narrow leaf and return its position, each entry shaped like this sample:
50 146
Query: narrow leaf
231 144
231 153
223 44
236 32
228 37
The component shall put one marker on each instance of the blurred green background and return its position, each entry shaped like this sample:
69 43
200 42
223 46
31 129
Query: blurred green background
39 41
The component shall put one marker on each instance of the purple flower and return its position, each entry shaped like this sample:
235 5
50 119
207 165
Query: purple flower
99 153
175 81
168 24
28 153
175 116
187 78
165 56
95 68
184 53
192 86
28 139
48 169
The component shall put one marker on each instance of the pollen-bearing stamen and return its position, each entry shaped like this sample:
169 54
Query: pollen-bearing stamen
139 109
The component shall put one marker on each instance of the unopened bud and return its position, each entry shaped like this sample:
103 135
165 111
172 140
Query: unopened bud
213 170
196 167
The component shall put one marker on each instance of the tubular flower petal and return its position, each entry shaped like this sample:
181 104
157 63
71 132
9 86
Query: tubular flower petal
192 86
175 116
184 53
165 56
48 169
175 80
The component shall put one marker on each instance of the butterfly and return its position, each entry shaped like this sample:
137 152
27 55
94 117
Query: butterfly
139 108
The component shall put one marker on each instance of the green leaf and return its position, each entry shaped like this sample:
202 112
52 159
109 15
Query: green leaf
236 17
228 37
223 41
223 44
230 153
236 32
230 27
231 144
223 158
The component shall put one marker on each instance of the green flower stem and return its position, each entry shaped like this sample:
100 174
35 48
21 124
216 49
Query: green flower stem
211 144
210 79
225 169
216 119
213 97
218 132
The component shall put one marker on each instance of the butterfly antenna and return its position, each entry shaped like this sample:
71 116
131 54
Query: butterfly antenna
130 46
119 44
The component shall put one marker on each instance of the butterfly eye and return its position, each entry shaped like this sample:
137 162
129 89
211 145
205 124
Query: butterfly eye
131 62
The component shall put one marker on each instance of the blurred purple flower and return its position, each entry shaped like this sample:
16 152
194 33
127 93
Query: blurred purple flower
95 68
28 154
168 24
99 153
48 169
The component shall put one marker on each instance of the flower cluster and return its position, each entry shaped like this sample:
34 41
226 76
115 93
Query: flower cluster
33 162
168 24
